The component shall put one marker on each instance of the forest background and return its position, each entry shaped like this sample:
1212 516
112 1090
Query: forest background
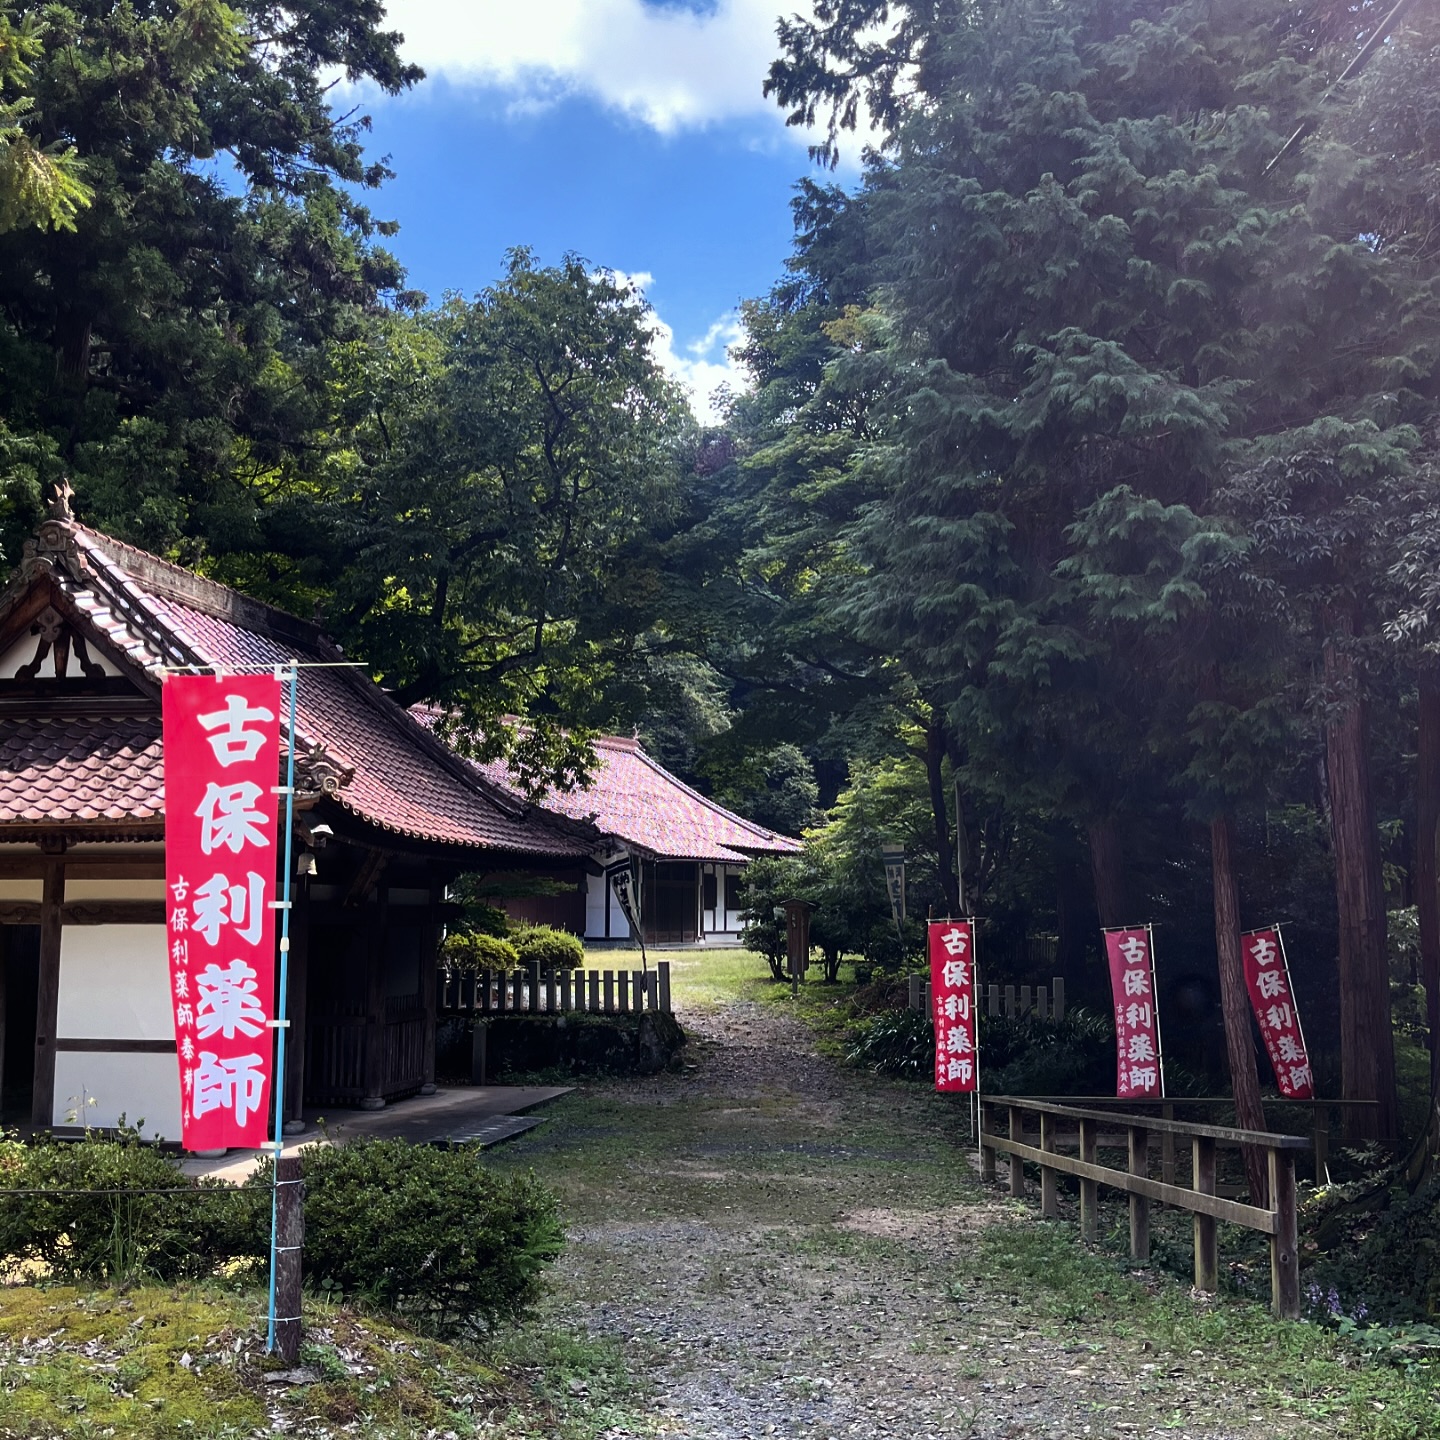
1077 529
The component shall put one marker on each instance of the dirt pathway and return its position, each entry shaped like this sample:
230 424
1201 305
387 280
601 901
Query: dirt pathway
785 1248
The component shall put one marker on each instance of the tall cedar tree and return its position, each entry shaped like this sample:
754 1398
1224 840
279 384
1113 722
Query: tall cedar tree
1102 311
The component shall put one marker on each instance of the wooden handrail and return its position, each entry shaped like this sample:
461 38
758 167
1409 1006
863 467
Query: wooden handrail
1227 1134
1278 1220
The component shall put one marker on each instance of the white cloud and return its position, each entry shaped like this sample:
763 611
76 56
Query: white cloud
705 367
670 67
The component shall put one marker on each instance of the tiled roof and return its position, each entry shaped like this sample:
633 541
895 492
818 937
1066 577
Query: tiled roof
86 768
636 800
405 781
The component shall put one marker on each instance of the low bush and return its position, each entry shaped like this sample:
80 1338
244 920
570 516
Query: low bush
428 1233
899 1043
473 950
104 1219
547 947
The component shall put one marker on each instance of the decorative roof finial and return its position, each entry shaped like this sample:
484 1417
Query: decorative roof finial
58 504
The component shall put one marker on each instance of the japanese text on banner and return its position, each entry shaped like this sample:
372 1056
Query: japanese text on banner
1267 978
952 996
222 761
1137 1028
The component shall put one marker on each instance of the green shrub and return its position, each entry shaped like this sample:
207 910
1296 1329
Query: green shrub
473 950
428 1233
549 948
108 1236
900 1043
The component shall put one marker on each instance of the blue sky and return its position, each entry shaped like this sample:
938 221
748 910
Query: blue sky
629 131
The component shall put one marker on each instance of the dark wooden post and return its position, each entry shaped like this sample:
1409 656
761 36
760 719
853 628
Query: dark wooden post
609 992
47 1001
1207 1259
1089 1189
1285 1243
987 1153
1167 1147
652 990
594 988
1139 1204
295 1006
1017 1165
1320 1115
662 975
566 977
1049 1196
429 965
623 985
289 1246
374 1096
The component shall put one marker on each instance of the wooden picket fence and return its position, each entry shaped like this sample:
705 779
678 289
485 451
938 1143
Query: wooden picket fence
556 992
1011 1001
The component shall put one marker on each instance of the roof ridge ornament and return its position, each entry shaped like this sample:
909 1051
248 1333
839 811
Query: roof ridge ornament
57 503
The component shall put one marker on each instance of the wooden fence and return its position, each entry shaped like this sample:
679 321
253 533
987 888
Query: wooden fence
556 992
1278 1220
1010 1001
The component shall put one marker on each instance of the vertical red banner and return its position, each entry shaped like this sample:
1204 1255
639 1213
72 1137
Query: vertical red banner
222 765
952 997
1138 1074
1267 978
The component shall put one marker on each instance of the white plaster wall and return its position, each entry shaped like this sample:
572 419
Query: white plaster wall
114 984
594 907
114 889
22 889
139 1087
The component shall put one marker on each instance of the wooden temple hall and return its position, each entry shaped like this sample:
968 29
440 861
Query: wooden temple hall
385 818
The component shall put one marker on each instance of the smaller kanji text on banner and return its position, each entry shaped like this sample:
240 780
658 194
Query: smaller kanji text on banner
1137 1026
1267 978
952 996
222 761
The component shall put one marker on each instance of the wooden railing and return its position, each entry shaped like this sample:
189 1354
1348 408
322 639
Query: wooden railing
1278 1220
555 992
1011 1001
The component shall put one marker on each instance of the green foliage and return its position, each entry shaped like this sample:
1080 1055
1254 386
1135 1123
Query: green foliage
901 1043
120 1236
470 950
426 1232
1030 1056
547 947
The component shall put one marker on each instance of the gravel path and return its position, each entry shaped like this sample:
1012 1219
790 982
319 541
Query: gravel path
785 1248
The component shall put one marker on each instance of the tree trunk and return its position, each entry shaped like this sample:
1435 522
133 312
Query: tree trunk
1427 878
935 777
1107 871
1367 1042
1235 1004
1074 914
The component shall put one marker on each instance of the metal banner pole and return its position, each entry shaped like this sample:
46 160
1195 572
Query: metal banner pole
281 1022
1155 1000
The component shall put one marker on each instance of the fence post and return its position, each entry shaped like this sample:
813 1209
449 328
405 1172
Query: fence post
1139 1204
1025 1001
1057 989
652 990
1207 1256
609 978
623 984
639 987
484 997
551 993
535 988
1285 1243
1017 1165
594 1006
1089 1189
992 994
289 1243
502 991
915 983
987 1153
662 974
1167 1147
1049 1197
1009 1002
1042 1003
566 977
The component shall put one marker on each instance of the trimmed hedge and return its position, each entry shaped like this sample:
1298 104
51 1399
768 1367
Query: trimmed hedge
472 950
547 947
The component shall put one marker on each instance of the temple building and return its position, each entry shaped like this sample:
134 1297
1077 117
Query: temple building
684 852
386 817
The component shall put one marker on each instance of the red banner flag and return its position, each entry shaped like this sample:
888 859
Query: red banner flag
1138 1074
1267 978
952 993
222 762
